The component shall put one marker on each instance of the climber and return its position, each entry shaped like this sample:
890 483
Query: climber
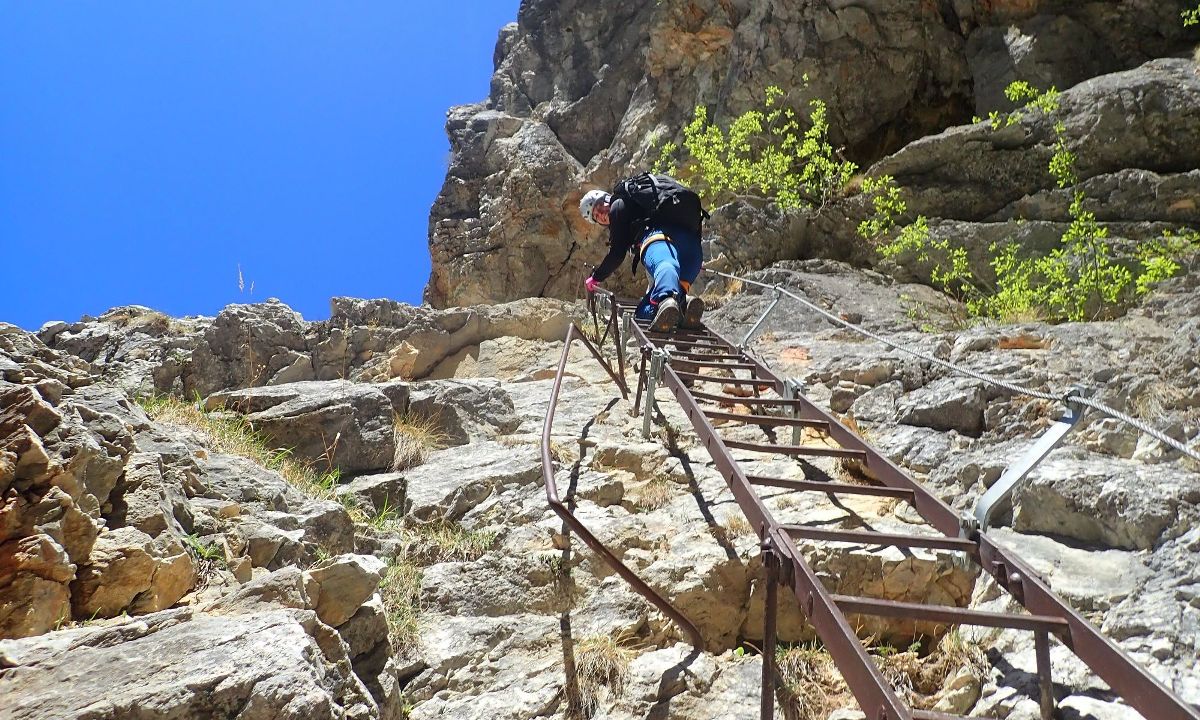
658 221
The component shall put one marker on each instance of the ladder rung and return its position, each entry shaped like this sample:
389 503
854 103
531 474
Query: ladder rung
780 402
683 335
689 343
800 450
943 613
830 487
725 381
931 715
704 356
771 420
709 363
939 542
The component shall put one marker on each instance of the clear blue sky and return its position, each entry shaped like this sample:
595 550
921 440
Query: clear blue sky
149 148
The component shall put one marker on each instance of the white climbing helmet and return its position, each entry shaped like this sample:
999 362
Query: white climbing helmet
589 201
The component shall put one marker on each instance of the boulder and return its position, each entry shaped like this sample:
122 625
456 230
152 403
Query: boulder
343 584
951 404
332 423
280 664
128 571
1103 502
35 595
245 345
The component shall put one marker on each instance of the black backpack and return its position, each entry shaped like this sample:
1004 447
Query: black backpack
663 201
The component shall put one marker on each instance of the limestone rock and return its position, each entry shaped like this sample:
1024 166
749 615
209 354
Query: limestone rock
455 480
329 422
277 664
245 345
581 96
146 501
1097 501
952 404
977 174
34 592
130 571
464 410
344 584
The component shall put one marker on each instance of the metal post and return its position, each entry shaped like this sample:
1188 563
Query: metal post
1045 682
770 613
791 391
656 367
754 328
626 322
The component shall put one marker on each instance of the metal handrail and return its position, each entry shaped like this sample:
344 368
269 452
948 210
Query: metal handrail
568 517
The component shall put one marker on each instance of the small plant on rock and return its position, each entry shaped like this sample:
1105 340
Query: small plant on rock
810 683
401 594
601 667
1191 16
415 437
444 541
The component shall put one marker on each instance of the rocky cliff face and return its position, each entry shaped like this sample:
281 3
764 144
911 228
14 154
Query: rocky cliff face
580 90
346 518
184 580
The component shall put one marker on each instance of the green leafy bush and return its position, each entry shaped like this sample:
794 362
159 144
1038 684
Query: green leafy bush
1191 17
764 153
1086 276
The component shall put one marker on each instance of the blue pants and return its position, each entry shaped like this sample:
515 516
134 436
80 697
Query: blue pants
672 266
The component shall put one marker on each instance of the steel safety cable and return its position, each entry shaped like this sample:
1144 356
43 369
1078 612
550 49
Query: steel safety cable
982 377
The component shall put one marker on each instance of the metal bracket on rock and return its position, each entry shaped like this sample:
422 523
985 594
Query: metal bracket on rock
762 319
999 496
792 390
658 358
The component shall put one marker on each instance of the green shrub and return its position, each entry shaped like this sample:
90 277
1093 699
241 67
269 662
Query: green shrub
763 153
1086 276
1191 17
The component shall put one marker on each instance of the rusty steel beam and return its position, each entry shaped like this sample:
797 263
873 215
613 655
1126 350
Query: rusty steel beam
949 615
696 377
767 420
830 487
748 401
796 450
711 363
577 526
863 537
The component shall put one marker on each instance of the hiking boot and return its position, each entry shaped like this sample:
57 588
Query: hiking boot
692 313
667 316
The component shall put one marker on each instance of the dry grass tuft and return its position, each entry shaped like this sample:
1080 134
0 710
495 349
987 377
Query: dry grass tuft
811 685
1156 399
813 688
653 494
232 434
601 667
737 525
445 542
401 593
415 437
559 452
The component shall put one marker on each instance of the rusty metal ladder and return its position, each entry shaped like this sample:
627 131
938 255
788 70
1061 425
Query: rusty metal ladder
825 611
